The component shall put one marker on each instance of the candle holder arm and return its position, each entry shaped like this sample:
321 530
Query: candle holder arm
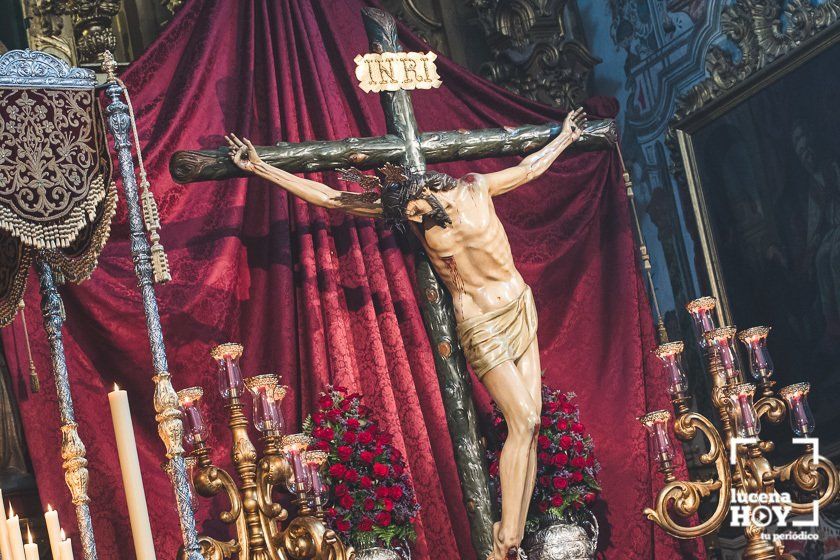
820 478
685 496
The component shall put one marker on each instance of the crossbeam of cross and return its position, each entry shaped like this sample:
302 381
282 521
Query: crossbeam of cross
404 144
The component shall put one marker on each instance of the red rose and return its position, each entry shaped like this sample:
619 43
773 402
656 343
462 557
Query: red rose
559 483
337 470
342 525
398 469
577 427
544 442
568 408
365 438
577 476
545 420
589 497
369 504
325 401
346 404
560 459
346 501
579 446
351 476
383 492
565 442
545 480
557 500
366 524
366 482
562 425
396 492
383 519
387 504
333 414
380 470
318 418
543 507
344 453
578 462
321 446
340 490
367 456
590 461
544 457
349 437
353 423
325 433
494 468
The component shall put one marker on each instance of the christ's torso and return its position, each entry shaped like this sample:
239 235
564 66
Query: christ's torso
472 255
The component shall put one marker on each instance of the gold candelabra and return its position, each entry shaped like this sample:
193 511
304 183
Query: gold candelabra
745 481
265 530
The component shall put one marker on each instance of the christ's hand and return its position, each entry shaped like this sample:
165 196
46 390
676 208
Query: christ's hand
574 123
242 153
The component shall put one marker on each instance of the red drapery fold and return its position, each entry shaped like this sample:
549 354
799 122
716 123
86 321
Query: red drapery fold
321 297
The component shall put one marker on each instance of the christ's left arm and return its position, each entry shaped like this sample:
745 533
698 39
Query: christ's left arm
536 164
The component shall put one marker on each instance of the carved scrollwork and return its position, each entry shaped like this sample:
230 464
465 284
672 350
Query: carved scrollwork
683 497
36 69
550 67
755 28
820 479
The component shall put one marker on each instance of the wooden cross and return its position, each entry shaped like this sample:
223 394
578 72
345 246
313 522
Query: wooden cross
405 144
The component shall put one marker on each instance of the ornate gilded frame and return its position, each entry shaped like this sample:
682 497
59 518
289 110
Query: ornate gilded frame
772 40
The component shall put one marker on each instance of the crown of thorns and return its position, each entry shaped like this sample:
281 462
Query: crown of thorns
372 183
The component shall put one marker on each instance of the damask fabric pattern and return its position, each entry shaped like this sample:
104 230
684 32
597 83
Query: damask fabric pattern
321 297
56 193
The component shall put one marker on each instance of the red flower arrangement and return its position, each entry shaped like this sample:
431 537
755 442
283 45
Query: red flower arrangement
371 496
566 465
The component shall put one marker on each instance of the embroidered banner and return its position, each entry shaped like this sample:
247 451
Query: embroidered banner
56 193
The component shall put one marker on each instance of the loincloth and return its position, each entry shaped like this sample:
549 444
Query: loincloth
500 335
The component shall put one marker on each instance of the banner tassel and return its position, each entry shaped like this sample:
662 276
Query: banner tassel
151 216
34 381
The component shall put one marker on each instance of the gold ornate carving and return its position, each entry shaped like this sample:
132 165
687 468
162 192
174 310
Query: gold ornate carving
170 427
755 28
75 463
228 349
534 50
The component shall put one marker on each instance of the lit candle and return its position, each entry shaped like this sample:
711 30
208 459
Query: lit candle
53 531
135 495
5 549
30 550
66 547
15 538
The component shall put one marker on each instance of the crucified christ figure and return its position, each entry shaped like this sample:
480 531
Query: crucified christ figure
456 222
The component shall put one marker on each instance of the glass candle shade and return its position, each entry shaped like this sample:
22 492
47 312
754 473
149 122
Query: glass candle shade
194 429
722 342
657 424
670 355
702 318
229 374
314 461
266 417
742 411
755 339
294 445
799 411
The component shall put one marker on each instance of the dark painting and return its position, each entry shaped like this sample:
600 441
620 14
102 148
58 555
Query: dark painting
770 173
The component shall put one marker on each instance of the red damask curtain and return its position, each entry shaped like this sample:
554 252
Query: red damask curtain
321 297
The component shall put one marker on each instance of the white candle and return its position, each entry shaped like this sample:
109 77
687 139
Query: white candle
66 548
30 550
135 496
15 538
53 531
5 548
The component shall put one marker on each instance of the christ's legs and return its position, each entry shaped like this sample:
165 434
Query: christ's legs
505 384
529 368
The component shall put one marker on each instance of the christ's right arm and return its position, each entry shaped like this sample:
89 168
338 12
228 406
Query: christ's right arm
244 155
